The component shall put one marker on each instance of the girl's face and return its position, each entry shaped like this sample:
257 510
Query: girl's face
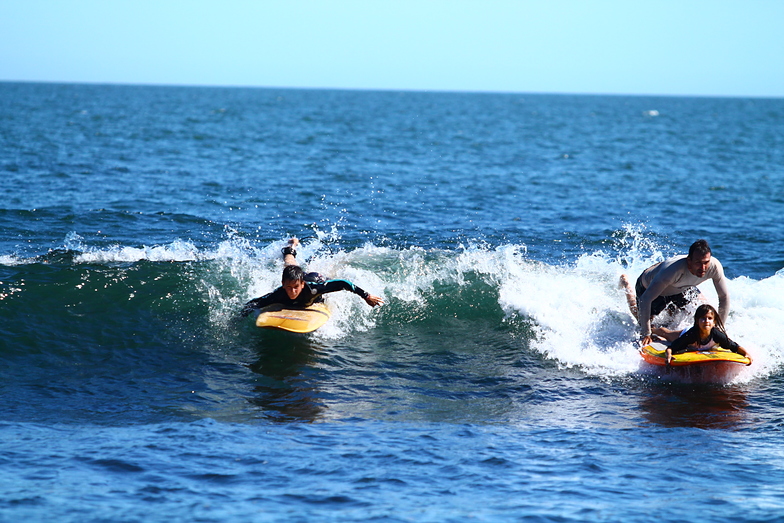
706 322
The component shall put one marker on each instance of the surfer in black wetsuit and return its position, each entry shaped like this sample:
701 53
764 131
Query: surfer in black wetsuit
299 290
707 332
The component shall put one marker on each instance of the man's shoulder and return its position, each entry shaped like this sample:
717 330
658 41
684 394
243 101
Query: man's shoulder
680 259
673 265
715 263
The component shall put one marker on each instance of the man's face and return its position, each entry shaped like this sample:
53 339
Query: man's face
698 266
293 288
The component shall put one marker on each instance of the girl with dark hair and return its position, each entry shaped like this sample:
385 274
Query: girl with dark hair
707 332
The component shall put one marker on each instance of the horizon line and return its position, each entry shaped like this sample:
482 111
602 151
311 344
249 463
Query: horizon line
385 89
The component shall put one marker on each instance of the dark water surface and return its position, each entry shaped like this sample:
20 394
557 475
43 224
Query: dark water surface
499 382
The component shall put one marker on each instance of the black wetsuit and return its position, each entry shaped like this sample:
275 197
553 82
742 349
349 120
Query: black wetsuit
311 293
692 336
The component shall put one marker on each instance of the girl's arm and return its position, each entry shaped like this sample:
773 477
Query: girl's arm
743 352
722 339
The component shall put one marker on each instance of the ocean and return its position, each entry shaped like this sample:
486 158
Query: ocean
500 380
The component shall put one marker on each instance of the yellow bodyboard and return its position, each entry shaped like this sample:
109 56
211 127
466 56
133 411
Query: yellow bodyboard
294 320
654 353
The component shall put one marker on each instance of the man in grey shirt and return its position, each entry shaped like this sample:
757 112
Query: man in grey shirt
667 283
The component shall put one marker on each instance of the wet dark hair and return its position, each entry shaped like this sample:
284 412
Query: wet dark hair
699 249
293 273
703 311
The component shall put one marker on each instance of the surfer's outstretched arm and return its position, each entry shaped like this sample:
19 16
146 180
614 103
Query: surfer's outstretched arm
345 285
253 306
373 300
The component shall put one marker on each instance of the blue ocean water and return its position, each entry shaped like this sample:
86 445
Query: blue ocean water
499 382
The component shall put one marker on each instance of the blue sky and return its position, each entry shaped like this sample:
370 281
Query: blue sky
668 47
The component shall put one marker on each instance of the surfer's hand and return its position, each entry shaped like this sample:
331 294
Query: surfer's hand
645 340
373 300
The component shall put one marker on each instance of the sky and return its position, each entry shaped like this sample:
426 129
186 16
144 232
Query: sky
644 47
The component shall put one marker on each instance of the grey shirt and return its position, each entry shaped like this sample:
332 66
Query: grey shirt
671 277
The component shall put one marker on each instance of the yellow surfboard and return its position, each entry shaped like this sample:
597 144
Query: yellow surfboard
294 320
654 354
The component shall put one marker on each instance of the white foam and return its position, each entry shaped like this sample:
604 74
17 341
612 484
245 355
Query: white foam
578 312
11 260
756 312
178 251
